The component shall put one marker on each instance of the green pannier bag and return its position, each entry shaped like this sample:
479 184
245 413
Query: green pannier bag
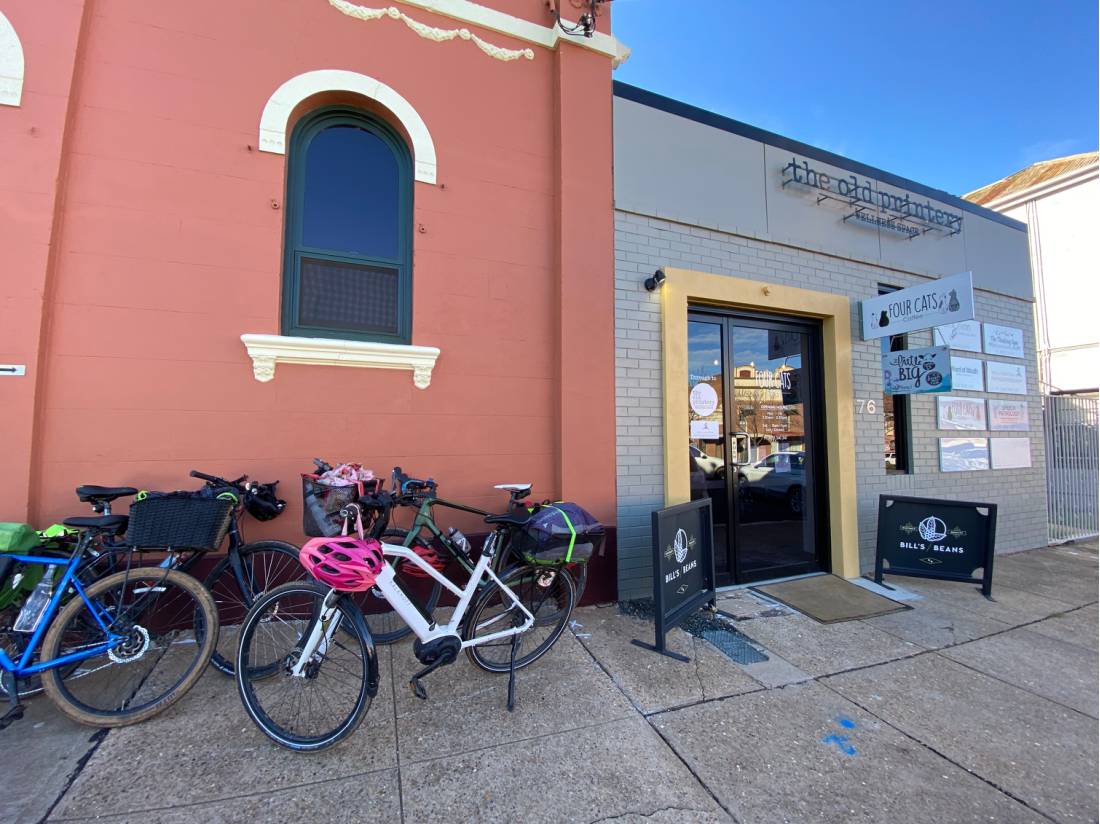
17 580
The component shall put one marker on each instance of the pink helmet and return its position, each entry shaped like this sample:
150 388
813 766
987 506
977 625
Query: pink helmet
346 564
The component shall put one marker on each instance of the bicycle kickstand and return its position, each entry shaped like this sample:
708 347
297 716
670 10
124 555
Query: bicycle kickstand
512 675
16 711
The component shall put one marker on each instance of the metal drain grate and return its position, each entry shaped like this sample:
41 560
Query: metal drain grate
717 631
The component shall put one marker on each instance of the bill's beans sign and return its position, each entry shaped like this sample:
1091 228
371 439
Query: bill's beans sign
928 538
683 567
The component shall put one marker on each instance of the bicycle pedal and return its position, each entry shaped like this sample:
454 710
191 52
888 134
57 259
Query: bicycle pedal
418 689
11 716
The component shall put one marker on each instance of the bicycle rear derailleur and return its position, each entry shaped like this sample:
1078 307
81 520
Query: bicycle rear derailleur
435 653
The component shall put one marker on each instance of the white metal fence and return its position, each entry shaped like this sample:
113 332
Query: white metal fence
1073 474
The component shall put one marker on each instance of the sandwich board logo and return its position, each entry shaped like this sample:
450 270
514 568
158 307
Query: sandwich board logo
680 545
932 529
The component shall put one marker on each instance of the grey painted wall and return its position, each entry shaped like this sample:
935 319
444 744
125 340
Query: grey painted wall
675 168
644 243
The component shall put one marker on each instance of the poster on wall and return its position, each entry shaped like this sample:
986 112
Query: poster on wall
1008 416
1002 340
960 413
936 303
1009 378
965 335
1010 453
964 454
917 370
966 373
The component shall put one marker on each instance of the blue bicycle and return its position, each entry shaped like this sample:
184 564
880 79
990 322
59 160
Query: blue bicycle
113 652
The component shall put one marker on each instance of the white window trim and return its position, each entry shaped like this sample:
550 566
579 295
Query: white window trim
12 64
268 350
277 110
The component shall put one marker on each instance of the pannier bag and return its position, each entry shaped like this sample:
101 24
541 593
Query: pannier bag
560 533
181 520
17 580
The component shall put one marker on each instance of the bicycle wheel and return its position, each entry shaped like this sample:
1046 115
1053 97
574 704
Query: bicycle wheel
169 627
328 700
264 565
550 595
386 626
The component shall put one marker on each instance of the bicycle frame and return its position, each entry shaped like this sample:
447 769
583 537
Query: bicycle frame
323 629
23 667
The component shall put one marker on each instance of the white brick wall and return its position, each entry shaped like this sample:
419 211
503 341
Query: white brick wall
642 244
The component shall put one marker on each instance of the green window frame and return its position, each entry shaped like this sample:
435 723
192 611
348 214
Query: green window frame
295 250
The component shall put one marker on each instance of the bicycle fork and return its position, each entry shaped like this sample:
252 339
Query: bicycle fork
320 636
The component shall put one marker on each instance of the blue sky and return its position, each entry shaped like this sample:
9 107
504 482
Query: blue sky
953 95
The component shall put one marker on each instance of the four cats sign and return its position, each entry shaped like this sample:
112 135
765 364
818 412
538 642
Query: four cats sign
936 303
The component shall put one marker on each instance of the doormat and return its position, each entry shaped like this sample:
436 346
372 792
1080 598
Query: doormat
713 629
830 599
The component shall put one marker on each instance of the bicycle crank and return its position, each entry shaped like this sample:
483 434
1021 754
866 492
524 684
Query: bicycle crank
435 653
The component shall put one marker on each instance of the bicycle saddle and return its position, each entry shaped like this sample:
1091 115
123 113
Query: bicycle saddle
114 524
517 517
88 492
519 489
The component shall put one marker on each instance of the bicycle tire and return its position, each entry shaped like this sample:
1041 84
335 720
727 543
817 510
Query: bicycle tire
300 602
550 599
281 560
386 626
173 631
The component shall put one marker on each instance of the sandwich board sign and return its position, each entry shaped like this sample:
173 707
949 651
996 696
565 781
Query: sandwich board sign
683 567
935 303
930 538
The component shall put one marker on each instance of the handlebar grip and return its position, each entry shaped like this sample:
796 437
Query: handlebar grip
202 476
323 466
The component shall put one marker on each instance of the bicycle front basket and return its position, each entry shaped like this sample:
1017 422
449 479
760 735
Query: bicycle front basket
560 533
181 520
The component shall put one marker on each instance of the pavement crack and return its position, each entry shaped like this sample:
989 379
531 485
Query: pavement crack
95 740
396 738
619 816
698 675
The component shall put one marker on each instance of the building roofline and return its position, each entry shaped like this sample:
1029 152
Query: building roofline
728 124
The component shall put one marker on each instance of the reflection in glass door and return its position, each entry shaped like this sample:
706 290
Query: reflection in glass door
756 443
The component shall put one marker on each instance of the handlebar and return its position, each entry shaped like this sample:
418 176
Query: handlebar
214 480
401 484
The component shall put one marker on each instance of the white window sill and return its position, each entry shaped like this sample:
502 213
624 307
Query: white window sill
268 350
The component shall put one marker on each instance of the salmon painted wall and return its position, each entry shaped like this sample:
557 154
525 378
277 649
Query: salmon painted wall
168 246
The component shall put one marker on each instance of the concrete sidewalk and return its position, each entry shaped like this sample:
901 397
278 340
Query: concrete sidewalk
960 709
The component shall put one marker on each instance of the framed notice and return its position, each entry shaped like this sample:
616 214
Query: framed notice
1009 378
965 335
1008 416
929 538
1002 340
960 413
964 454
917 370
966 373
1010 453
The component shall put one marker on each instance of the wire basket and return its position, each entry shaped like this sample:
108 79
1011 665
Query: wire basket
180 521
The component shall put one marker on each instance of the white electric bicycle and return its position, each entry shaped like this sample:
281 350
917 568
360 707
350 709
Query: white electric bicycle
306 665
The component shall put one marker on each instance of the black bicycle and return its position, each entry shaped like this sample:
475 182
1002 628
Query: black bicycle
234 582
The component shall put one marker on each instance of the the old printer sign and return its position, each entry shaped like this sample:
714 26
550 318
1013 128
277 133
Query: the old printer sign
936 303
929 538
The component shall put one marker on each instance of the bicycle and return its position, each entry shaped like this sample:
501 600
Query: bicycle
306 646
386 626
247 568
143 614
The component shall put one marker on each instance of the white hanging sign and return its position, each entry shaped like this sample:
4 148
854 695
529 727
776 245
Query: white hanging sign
1002 340
1008 416
1009 378
1010 453
965 335
966 373
960 413
938 302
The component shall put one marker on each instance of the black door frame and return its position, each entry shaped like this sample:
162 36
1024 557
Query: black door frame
815 420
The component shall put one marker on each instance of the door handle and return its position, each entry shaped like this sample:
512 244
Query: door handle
735 450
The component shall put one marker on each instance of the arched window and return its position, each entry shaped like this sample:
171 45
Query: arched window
348 266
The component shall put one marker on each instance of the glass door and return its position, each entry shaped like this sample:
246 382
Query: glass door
757 443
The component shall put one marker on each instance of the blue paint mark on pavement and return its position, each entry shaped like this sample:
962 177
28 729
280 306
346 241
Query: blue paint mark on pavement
847 723
840 742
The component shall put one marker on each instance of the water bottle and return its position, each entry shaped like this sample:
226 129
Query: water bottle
459 540
30 616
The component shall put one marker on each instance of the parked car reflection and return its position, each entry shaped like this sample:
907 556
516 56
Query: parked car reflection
780 478
711 467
